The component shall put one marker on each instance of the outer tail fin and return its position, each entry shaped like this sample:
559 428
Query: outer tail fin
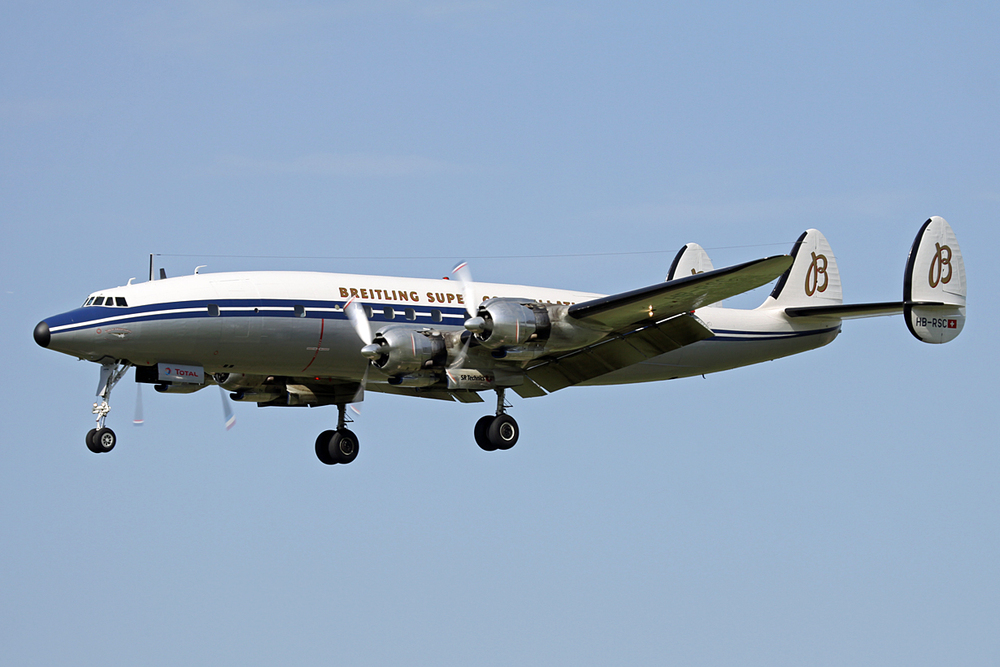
813 280
690 260
934 288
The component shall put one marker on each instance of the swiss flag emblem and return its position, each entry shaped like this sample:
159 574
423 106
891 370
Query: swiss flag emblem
952 324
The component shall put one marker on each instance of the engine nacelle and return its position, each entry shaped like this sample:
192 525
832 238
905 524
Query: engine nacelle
236 381
403 350
511 323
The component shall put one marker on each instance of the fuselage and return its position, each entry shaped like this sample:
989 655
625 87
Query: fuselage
293 324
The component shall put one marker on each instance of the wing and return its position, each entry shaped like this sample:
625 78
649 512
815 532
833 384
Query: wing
614 352
625 311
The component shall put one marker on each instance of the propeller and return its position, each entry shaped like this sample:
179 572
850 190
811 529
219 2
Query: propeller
464 276
227 410
137 420
359 319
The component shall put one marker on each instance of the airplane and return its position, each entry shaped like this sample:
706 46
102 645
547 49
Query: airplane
283 338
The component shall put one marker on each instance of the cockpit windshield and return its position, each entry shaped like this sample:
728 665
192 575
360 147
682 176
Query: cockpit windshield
118 301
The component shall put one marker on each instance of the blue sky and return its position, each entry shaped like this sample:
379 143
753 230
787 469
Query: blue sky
831 508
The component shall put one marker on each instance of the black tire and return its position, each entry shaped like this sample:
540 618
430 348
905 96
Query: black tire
323 447
344 446
503 432
482 433
91 445
104 440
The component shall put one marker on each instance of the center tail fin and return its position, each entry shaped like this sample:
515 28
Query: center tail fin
812 280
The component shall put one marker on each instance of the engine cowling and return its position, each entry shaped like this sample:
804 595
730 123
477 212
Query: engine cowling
237 381
402 350
510 323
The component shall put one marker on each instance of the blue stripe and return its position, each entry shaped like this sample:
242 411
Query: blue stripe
726 335
84 318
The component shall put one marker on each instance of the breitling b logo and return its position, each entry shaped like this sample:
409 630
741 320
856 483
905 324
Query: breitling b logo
817 269
941 259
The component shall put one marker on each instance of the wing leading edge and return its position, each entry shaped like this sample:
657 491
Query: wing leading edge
625 311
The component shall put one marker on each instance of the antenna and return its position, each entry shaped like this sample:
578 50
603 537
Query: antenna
150 267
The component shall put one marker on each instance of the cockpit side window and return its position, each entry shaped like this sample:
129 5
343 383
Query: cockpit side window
89 301
99 301
120 301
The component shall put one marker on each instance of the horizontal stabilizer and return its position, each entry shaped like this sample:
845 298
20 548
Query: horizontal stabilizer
933 289
662 300
848 311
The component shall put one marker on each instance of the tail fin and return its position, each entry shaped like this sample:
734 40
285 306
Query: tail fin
691 260
813 279
934 288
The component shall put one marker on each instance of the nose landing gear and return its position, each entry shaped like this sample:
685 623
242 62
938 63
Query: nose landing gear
498 431
102 439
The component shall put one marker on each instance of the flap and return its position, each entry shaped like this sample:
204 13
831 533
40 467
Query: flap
618 351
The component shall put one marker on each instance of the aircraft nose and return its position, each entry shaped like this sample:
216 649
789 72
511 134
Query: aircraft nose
42 334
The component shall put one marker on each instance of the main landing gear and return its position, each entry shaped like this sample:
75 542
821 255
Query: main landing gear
498 431
340 446
103 439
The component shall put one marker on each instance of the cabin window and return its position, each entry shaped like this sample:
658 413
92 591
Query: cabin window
300 311
120 301
410 314
436 315
368 311
388 312
213 310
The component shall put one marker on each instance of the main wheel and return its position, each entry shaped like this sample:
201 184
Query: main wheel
91 445
503 432
323 447
104 440
344 446
482 433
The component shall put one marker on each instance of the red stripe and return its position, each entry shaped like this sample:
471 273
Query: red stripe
322 326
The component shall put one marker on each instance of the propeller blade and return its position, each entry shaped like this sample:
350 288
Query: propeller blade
464 276
360 395
227 410
460 358
359 318
137 420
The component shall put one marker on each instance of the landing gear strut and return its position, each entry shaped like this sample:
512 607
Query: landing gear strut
340 446
103 439
498 431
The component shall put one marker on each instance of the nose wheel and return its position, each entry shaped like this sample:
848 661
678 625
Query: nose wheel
102 439
498 431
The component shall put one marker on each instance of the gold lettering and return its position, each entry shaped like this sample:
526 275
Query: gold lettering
354 292
403 296
451 297
816 269
941 259
364 293
430 297
414 297
344 293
